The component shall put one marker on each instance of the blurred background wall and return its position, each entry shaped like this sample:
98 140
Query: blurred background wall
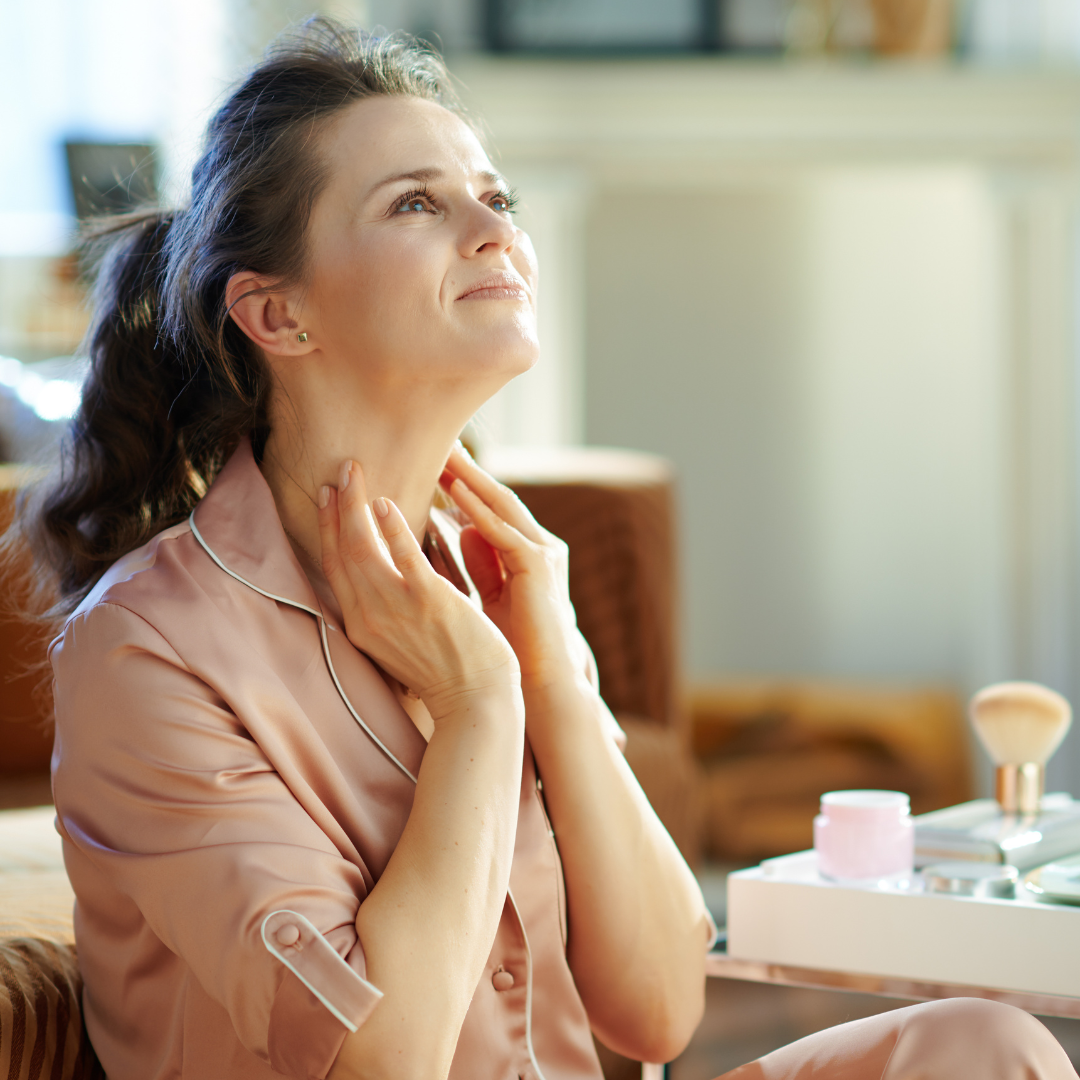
838 291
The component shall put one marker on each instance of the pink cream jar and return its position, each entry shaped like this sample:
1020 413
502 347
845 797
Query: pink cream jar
865 836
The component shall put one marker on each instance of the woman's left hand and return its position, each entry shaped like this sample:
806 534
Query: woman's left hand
522 574
631 898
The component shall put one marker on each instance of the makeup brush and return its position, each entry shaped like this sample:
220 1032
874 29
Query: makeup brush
1020 724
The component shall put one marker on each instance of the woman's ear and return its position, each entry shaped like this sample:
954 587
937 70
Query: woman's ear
266 315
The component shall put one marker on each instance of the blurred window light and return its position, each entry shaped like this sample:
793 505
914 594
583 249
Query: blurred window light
34 233
50 399
11 372
100 71
1021 30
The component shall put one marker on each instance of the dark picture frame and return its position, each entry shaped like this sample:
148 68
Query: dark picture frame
602 27
110 178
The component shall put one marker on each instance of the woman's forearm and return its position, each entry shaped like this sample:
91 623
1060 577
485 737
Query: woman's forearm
428 926
635 908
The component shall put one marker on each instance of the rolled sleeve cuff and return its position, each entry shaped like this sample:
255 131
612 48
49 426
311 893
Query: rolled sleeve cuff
320 1000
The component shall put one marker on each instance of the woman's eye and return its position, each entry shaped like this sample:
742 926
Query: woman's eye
503 204
415 202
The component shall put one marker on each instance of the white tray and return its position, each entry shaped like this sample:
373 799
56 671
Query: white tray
783 912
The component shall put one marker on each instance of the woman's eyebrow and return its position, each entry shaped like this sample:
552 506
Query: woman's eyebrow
423 176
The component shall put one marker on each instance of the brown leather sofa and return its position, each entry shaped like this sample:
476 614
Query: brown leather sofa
25 738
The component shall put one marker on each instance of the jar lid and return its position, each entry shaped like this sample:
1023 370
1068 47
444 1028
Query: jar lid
867 800
971 879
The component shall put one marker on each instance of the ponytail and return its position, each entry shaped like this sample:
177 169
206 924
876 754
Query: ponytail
174 385
147 436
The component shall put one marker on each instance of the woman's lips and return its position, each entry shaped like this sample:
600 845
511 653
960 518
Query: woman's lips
500 286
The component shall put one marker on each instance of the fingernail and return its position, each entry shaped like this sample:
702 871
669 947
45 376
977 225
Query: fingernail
345 470
324 496
464 449
380 507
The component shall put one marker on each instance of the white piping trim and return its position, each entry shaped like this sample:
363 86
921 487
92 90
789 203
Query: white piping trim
348 704
243 581
274 951
324 641
528 988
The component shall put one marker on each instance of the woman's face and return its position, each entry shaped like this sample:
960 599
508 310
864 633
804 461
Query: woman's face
417 272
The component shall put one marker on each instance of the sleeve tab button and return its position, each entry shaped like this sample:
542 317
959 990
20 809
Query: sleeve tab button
288 935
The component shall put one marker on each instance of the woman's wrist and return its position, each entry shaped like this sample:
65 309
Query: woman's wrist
558 669
561 706
476 694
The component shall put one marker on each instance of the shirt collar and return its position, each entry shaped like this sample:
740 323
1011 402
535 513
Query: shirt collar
238 520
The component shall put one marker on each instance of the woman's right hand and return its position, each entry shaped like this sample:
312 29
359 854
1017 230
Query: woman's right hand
413 622
427 926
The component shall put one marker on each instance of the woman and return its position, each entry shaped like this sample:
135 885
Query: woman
315 740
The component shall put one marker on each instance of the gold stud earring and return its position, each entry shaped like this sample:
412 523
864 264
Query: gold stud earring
301 337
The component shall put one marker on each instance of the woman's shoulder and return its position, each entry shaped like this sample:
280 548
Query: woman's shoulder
148 569
144 597
145 637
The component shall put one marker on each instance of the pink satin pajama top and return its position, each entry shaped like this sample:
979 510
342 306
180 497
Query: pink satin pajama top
231 777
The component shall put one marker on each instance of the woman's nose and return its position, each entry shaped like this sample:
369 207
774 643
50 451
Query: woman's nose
489 230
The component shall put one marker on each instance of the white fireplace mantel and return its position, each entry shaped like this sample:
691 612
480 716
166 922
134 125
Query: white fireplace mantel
627 120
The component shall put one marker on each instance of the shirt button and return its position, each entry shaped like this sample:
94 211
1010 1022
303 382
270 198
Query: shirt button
288 935
502 980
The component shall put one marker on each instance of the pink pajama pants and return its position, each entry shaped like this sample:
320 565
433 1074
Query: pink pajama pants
957 1039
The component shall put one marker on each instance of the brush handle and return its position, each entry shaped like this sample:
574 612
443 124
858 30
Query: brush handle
1019 788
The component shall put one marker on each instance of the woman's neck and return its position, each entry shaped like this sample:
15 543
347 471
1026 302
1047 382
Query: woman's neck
401 462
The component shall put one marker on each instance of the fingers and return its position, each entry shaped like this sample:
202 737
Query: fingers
333 564
357 541
502 536
357 537
361 538
482 564
401 545
496 496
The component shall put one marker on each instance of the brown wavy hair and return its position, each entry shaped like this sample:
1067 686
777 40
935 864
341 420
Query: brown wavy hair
173 383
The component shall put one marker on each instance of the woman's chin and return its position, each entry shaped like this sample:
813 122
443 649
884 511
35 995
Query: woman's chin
497 372
507 332
511 352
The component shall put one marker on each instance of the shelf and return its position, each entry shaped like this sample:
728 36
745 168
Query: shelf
651 113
